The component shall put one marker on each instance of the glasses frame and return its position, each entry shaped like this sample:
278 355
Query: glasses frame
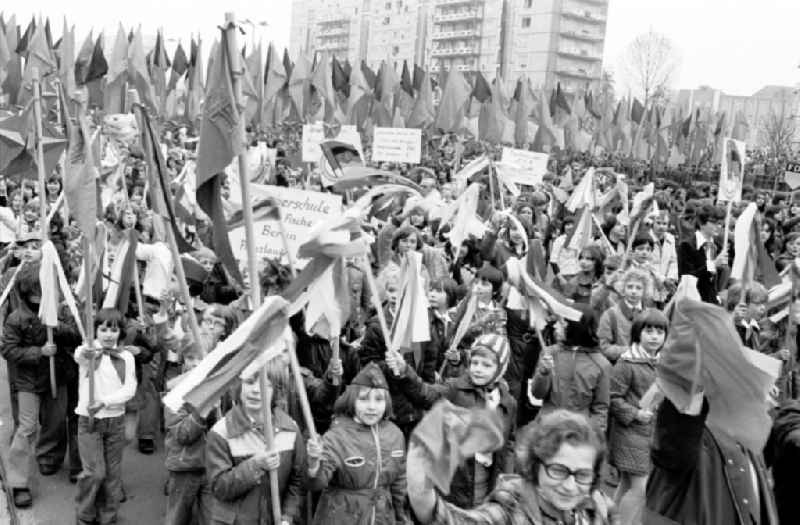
566 472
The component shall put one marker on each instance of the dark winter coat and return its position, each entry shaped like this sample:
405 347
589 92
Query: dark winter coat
782 454
579 381
185 442
629 440
23 338
241 491
701 477
362 475
462 392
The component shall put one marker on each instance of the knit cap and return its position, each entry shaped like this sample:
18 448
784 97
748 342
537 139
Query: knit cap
497 345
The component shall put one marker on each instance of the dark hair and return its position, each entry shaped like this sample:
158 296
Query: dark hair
753 292
404 233
28 281
446 285
110 317
227 314
708 213
539 441
649 318
597 255
345 404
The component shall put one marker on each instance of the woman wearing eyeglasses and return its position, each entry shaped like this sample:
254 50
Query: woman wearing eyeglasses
559 458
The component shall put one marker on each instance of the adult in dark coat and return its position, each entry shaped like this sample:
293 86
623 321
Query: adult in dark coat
782 454
700 253
703 477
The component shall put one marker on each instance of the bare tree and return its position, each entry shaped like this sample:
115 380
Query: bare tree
649 63
777 129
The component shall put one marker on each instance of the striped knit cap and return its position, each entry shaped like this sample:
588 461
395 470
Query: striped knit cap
497 345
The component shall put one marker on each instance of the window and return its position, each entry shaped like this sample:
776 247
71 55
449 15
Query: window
526 21
388 6
386 21
528 4
395 50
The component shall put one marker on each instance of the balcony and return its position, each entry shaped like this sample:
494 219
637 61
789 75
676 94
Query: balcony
451 35
583 35
470 14
579 73
454 51
584 15
457 2
333 18
332 46
334 31
580 54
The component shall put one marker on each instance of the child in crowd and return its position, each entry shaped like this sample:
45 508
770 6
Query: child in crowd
631 425
614 328
101 422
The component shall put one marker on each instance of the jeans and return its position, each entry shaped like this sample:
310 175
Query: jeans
188 499
100 482
42 413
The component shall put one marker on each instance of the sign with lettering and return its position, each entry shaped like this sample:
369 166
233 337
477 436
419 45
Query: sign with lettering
792 174
397 145
313 134
524 167
300 209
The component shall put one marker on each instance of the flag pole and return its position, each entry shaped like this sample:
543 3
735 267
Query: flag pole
194 327
88 260
232 51
43 224
137 287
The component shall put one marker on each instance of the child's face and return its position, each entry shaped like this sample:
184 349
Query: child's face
482 369
757 310
207 263
214 323
652 338
108 336
437 298
633 291
642 253
190 361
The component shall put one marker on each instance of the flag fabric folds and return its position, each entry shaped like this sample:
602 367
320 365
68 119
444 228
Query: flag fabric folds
213 376
80 180
751 262
703 353
221 140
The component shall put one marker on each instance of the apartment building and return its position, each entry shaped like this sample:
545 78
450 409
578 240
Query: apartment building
548 41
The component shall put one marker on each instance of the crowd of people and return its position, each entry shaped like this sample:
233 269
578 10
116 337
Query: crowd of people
582 439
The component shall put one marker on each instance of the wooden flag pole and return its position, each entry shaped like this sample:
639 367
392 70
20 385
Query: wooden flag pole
232 51
137 287
194 327
43 224
88 263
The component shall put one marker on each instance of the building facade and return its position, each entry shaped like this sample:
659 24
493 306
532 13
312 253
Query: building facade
548 41
768 102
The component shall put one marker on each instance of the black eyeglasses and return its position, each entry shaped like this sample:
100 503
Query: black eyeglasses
560 472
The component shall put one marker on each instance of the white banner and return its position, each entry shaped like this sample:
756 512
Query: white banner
524 167
731 170
313 134
397 145
791 173
300 209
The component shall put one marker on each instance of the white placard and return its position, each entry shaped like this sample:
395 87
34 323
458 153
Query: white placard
300 209
524 167
313 134
397 145
792 174
731 170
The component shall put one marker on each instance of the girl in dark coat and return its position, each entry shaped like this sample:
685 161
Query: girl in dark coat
360 463
632 426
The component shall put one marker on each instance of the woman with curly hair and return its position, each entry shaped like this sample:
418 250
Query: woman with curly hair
559 459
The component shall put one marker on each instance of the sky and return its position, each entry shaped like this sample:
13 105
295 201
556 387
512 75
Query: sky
737 46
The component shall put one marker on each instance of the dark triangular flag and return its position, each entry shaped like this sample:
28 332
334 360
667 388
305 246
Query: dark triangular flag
347 68
369 76
98 67
517 90
180 65
341 82
405 80
22 44
287 64
48 34
419 74
482 91
637 111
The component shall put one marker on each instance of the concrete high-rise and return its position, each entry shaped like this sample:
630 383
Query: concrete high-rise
548 41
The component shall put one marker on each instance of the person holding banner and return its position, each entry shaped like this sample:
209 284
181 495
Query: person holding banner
238 460
101 421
